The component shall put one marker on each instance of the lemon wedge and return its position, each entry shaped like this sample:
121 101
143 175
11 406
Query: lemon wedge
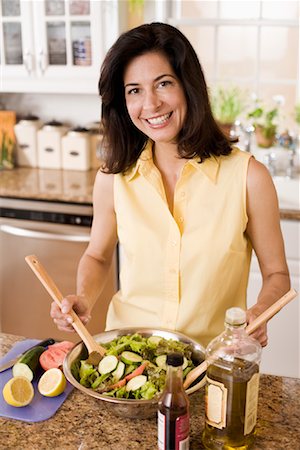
52 383
18 391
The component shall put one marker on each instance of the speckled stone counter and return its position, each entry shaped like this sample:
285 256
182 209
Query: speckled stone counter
64 186
45 184
83 423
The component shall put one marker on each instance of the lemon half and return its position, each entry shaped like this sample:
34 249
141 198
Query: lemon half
18 391
52 383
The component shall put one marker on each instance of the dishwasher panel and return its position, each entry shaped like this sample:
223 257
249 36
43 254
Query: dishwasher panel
24 302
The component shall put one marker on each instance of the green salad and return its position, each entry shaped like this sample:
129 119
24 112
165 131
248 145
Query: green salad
134 367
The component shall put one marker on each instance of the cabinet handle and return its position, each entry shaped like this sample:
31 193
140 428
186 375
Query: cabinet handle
43 61
23 232
28 61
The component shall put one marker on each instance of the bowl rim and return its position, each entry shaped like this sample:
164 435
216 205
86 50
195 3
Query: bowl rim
109 335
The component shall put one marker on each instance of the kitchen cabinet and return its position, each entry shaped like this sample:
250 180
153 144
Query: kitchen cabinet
55 46
282 355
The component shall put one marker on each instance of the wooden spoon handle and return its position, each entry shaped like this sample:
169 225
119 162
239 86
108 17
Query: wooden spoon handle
57 296
262 318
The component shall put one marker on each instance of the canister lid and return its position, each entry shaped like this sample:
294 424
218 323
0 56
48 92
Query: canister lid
30 117
235 316
53 123
79 130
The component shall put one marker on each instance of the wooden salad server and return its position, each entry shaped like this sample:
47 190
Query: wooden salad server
262 318
96 351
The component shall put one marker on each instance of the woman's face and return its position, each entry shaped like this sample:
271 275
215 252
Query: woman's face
154 97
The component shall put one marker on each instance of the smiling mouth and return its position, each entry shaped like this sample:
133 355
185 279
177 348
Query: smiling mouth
159 120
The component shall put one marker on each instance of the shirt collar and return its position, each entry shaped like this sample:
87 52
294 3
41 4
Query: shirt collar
209 167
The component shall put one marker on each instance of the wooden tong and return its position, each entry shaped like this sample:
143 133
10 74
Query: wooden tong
96 351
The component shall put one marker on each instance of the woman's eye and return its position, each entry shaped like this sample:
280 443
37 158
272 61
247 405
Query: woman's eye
133 91
165 83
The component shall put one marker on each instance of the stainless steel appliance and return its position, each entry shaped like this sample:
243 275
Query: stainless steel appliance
57 233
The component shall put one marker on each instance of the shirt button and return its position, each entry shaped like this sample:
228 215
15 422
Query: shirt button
182 194
174 243
181 219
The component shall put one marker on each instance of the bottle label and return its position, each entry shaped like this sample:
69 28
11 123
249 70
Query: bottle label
216 403
181 432
251 403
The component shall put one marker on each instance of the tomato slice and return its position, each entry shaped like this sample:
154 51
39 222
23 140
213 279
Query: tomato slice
55 354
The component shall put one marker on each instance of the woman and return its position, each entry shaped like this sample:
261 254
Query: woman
186 207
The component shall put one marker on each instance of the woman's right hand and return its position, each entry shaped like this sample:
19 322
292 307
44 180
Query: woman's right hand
62 317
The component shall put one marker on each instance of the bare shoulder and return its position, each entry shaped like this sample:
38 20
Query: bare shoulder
103 188
258 175
261 192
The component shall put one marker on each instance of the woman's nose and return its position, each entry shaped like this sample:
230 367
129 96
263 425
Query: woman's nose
151 100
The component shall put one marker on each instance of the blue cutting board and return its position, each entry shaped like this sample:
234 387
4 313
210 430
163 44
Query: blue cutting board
41 408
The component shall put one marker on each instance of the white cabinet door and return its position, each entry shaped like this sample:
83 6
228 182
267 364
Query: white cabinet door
55 46
282 355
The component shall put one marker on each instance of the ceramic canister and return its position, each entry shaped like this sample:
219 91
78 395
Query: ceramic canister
76 153
26 135
49 145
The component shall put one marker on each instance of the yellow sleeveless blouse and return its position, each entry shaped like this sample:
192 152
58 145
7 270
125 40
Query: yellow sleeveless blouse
182 271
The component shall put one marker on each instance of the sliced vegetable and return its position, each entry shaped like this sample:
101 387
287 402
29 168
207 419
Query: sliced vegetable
154 340
28 364
161 361
136 383
138 371
119 372
55 354
131 358
107 364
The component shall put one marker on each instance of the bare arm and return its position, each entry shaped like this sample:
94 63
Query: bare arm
265 234
96 260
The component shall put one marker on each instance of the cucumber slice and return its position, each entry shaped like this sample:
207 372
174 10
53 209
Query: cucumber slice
22 370
107 364
136 382
154 340
161 361
185 363
131 358
119 372
31 359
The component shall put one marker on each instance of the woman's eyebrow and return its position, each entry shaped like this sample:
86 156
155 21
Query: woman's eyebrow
155 79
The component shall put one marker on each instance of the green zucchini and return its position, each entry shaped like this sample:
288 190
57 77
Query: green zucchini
131 358
28 364
136 383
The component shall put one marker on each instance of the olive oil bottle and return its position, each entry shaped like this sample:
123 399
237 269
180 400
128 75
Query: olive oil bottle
173 408
232 386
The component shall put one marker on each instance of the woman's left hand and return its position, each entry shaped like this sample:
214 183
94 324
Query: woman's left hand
260 333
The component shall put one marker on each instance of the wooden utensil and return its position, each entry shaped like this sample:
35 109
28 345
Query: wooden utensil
96 351
262 318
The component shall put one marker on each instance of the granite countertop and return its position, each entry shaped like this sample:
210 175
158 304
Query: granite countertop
82 422
64 186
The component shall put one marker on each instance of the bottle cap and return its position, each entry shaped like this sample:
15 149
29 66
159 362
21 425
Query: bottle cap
174 359
235 316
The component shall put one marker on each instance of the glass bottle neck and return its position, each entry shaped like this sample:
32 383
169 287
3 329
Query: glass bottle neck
174 378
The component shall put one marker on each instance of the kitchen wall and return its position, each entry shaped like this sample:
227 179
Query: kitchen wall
68 108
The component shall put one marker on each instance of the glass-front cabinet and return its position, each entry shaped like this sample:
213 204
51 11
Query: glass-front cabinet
55 45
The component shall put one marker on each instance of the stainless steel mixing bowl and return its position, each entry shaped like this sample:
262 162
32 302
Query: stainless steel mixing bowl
124 407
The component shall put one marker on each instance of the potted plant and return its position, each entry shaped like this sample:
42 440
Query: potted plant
265 124
227 105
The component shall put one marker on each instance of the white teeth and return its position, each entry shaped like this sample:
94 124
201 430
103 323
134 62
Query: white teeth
159 120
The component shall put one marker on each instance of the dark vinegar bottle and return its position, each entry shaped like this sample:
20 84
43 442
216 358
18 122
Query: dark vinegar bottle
173 408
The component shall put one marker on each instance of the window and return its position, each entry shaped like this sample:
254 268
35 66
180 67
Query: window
251 44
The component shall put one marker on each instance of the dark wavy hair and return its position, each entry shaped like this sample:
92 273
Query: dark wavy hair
200 134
